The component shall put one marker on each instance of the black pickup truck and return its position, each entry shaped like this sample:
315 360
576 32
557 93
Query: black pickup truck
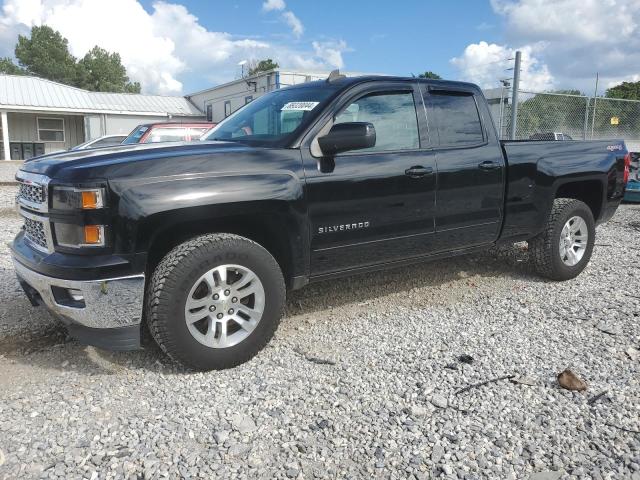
200 241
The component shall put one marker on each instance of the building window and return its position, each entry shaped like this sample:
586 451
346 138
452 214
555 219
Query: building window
248 99
209 113
227 108
50 129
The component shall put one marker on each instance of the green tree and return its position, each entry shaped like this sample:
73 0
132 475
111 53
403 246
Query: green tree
46 54
615 117
546 112
262 66
626 90
568 92
570 112
430 74
101 71
8 67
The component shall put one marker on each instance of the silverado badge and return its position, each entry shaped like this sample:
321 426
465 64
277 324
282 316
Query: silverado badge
342 227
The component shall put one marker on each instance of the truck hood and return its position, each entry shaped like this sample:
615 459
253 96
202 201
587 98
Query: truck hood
108 160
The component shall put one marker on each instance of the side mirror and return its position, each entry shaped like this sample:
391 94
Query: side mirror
344 137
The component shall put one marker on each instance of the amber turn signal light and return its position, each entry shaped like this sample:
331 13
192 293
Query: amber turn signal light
93 234
90 199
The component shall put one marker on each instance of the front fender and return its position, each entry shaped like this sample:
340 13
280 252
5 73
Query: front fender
157 206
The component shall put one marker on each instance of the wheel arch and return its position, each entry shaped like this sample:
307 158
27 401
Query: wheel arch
276 229
589 191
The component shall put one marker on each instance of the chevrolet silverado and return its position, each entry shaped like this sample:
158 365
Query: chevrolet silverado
199 242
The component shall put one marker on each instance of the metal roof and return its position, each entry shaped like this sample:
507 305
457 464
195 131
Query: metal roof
316 75
33 93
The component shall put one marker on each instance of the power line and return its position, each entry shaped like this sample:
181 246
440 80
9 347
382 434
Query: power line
498 61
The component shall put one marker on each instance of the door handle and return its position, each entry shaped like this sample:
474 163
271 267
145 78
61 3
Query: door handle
418 171
489 165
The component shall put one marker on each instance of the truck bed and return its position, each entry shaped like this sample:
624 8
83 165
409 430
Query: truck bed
537 169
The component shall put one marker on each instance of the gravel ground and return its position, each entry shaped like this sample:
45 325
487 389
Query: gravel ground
362 380
8 170
7 201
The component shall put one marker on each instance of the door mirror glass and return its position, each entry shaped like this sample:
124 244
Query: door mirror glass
344 137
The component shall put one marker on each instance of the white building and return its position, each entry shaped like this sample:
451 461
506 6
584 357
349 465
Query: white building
222 100
40 116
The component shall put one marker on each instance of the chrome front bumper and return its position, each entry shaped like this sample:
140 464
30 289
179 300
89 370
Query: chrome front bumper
109 303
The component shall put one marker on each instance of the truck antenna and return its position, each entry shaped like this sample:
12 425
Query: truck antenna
335 75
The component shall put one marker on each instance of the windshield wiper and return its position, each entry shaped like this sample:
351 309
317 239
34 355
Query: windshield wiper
234 140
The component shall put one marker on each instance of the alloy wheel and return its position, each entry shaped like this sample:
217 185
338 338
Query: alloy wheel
224 306
573 241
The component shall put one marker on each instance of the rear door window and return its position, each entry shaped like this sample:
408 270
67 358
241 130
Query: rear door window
457 117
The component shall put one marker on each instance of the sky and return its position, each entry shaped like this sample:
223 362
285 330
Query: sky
181 46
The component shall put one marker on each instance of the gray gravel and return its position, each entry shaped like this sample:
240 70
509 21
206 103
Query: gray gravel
7 200
359 382
8 170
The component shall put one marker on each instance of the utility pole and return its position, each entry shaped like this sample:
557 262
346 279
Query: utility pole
514 97
505 85
595 99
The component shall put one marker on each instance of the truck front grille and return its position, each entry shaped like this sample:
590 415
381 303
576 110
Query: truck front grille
31 192
34 231
33 202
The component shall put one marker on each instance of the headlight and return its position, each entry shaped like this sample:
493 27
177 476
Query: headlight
72 198
76 236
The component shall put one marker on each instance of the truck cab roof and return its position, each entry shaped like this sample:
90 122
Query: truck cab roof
346 82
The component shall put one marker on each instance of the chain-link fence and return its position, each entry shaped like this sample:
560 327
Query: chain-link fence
540 115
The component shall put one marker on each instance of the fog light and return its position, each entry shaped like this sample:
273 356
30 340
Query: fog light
68 297
75 294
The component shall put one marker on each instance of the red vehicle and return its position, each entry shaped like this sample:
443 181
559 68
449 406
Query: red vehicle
168 132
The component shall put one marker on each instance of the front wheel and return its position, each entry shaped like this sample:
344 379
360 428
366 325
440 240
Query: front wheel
215 301
564 248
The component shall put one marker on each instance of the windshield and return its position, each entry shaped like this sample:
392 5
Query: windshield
273 119
136 135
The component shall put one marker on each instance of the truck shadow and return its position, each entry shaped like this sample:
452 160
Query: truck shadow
510 262
51 349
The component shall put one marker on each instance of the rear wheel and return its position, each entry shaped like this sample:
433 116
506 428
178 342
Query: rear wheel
215 301
564 248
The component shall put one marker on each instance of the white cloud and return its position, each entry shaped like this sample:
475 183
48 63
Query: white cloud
198 46
288 17
591 21
294 22
326 56
486 63
617 81
574 39
159 49
331 52
270 5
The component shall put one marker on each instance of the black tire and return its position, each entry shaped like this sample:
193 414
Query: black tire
170 285
545 248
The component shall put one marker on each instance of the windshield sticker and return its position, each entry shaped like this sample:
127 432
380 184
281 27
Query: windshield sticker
300 106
